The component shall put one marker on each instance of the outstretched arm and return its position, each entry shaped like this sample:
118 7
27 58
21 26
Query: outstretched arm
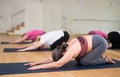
32 46
69 54
21 39
52 64
28 45
43 61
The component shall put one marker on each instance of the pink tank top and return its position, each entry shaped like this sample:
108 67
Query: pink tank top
98 32
32 35
84 47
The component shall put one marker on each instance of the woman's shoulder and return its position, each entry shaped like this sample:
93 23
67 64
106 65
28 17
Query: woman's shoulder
87 36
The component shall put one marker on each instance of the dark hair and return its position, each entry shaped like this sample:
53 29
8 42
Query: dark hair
114 38
58 42
57 52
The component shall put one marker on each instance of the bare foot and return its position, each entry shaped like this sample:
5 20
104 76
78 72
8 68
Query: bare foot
109 60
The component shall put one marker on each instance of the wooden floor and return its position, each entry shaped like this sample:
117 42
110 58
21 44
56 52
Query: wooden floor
33 56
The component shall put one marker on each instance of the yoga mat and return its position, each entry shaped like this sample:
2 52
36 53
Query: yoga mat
15 50
19 68
114 48
16 43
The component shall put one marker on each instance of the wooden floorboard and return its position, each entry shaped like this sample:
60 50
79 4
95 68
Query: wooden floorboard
33 56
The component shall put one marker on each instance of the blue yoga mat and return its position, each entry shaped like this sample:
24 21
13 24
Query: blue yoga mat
16 43
15 50
19 68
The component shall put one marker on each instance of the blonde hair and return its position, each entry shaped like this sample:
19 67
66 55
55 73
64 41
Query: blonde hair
38 38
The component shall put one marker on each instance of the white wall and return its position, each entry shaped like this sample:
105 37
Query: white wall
52 16
77 16
85 15
33 1
110 10
33 17
8 8
42 15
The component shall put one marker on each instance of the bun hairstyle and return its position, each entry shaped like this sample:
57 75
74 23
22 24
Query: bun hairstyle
57 52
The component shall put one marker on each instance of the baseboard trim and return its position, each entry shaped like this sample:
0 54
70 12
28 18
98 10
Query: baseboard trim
3 33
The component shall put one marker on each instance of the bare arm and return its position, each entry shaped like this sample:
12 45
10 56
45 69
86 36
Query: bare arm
32 47
28 45
25 46
65 59
18 40
71 52
43 61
